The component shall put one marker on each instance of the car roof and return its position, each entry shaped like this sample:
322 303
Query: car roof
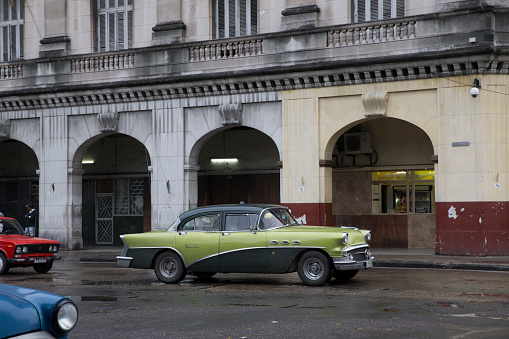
229 208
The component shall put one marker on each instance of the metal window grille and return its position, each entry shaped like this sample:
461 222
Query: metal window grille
128 196
372 10
114 24
122 197
34 188
232 18
11 29
136 196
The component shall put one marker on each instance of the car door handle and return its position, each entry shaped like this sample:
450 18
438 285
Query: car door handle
225 233
182 233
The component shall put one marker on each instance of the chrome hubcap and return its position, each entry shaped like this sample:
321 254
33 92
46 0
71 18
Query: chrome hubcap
313 268
168 267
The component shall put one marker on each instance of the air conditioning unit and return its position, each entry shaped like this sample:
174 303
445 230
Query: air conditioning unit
358 143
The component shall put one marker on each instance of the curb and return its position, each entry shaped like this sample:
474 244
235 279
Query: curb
445 265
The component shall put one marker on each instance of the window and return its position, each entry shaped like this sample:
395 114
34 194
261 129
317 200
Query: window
206 223
114 24
11 29
372 10
409 191
240 222
231 18
128 196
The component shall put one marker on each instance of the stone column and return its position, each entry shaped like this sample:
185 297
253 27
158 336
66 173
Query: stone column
75 207
170 27
55 41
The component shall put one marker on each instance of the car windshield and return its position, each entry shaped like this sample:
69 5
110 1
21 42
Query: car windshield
8 226
276 217
174 226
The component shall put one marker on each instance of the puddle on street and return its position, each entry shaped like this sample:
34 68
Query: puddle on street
98 298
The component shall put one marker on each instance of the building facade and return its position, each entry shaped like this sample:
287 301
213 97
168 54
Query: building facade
391 115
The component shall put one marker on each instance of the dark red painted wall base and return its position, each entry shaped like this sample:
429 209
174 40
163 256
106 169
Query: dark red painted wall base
472 228
316 214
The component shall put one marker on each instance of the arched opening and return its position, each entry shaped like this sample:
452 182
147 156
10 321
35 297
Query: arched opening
384 180
19 180
115 189
238 165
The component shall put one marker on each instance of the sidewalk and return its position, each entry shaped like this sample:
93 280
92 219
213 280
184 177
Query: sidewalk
407 258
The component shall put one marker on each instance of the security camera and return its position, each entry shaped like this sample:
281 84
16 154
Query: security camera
474 92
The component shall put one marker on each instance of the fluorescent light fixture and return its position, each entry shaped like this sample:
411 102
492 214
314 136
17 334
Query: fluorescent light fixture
87 161
224 160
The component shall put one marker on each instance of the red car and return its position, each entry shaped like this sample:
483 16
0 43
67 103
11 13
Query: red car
20 250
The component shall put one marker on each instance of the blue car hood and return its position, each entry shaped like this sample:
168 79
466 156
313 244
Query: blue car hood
22 308
18 316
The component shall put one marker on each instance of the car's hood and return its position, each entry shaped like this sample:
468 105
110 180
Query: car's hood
23 307
25 239
17 315
355 235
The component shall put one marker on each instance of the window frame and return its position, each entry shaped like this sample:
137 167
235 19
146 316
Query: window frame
244 14
103 41
14 29
375 10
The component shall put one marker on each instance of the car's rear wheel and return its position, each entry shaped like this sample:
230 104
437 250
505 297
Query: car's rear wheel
345 275
315 269
43 268
4 265
169 268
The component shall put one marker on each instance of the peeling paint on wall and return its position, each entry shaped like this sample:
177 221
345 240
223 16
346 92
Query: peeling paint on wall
302 220
452 213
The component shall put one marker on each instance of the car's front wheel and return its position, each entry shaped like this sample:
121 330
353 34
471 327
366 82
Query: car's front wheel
43 268
345 275
169 268
4 265
315 269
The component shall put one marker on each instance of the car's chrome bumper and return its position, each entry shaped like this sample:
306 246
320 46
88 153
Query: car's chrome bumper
356 259
32 260
124 262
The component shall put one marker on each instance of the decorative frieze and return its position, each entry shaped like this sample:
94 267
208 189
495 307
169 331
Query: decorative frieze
375 104
5 128
231 114
108 122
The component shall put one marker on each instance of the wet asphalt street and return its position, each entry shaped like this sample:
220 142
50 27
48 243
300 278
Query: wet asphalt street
380 302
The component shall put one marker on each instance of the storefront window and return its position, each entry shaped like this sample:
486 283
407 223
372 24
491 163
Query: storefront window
403 191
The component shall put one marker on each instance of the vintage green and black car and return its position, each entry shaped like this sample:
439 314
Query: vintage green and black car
247 238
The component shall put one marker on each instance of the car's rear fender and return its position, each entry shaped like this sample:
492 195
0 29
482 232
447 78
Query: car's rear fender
162 250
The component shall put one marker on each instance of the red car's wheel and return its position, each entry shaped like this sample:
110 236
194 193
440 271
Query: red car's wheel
4 265
43 268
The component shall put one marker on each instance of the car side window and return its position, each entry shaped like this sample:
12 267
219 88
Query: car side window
205 223
240 222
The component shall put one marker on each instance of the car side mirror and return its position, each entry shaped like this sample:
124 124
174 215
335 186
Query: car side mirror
252 229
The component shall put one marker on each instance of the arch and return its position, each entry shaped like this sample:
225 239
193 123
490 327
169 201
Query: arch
19 173
117 180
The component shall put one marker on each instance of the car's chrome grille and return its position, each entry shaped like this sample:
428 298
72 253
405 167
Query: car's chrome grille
359 253
39 248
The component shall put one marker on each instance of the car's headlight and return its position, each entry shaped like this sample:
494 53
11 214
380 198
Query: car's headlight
344 238
367 236
65 316
21 249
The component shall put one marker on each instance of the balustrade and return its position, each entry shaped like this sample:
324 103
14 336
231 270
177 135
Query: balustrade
371 34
